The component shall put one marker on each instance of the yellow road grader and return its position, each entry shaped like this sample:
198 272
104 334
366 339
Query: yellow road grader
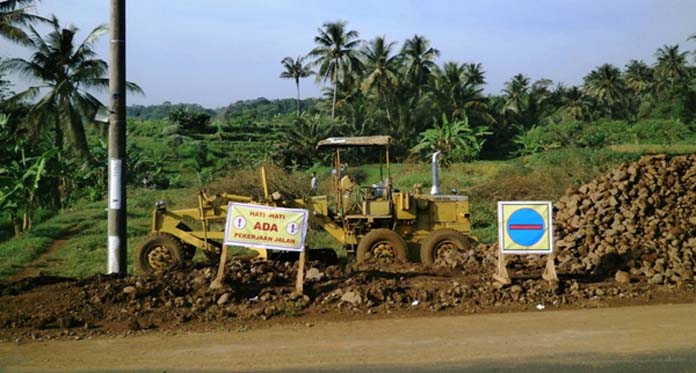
369 221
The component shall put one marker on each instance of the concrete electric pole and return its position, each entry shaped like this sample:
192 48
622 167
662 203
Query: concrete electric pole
117 140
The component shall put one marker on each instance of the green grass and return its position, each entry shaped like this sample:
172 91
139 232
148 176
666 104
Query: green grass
654 148
17 252
85 253
544 176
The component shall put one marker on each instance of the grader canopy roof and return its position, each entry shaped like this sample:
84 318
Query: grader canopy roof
333 142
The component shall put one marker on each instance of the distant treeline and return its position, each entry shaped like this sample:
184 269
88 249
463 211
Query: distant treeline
258 108
162 111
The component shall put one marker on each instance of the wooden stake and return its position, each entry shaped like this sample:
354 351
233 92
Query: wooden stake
217 282
299 285
550 274
501 274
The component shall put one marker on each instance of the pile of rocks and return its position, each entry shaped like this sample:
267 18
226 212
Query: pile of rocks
640 219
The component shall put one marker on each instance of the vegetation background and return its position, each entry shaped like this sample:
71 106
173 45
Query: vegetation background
532 140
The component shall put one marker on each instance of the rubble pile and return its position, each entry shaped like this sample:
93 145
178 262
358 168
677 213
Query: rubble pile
258 291
639 220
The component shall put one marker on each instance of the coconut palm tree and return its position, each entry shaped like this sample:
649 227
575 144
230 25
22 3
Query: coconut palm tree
539 101
459 96
15 14
5 86
639 77
474 75
64 71
606 86
335 54
576 105
516 93
381 70
295 69
671 69
419 61
352 104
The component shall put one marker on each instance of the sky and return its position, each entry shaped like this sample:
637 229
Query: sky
214 52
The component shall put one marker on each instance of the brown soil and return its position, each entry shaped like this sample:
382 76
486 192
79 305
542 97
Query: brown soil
261 293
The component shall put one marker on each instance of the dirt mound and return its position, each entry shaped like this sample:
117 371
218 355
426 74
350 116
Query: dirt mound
640 218
256 291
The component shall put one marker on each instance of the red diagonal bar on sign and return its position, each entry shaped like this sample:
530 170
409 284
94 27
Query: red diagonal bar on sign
517 227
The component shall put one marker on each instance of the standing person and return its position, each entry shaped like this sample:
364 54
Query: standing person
313 184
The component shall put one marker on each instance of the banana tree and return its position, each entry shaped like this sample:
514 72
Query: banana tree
19 182
18 185
457 140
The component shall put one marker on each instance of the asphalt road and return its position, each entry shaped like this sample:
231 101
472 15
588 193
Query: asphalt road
659 338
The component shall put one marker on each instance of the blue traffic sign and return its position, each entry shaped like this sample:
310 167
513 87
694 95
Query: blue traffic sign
526 227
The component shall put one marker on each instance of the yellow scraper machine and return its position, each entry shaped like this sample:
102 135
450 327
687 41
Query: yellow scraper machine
370 221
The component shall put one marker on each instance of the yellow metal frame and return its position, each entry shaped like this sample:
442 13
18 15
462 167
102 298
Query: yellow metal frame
413 215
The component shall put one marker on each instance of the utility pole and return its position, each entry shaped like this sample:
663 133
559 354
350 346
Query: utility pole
116 262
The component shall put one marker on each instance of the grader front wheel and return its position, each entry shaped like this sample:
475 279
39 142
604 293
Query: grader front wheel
382 243
159 252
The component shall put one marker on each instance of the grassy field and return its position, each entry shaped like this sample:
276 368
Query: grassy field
544 176
654 148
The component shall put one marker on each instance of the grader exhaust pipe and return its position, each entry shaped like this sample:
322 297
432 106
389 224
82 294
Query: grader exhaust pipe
435 189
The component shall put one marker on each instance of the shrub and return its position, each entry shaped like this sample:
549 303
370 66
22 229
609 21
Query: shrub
191 121
573 134
603 132
170 130
247 182
535 140
660 131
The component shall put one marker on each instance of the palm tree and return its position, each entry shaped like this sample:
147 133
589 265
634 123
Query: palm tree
473 75
671 70
454 94
335 55
576 104
5 86
539 101
381 69
516 93
419 61
639 77
14 14
606 86
295 69
64 71
457 95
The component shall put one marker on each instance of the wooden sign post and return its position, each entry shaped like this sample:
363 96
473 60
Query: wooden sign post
264 227
217 282
299 284
525 227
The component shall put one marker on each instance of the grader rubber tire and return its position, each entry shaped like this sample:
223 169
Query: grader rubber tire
326 256
382 242
189 252
443 239
159 252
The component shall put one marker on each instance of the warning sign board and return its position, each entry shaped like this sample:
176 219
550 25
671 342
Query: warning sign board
268 227
525 227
